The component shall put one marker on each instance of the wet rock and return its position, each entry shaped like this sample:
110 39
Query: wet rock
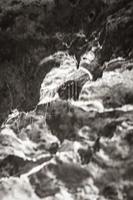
14 189
118 64
72 88
95 162
56 77
33 128
65 120
113 89
16 166
30 31
25 142
65 81
55 174
12 145
115 152
77 143
114 45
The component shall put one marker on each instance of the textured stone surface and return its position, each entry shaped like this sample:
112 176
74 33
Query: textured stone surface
77 142
30 31
114 89
65 81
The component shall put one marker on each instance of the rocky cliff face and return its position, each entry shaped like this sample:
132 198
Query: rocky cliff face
29 31
66 100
